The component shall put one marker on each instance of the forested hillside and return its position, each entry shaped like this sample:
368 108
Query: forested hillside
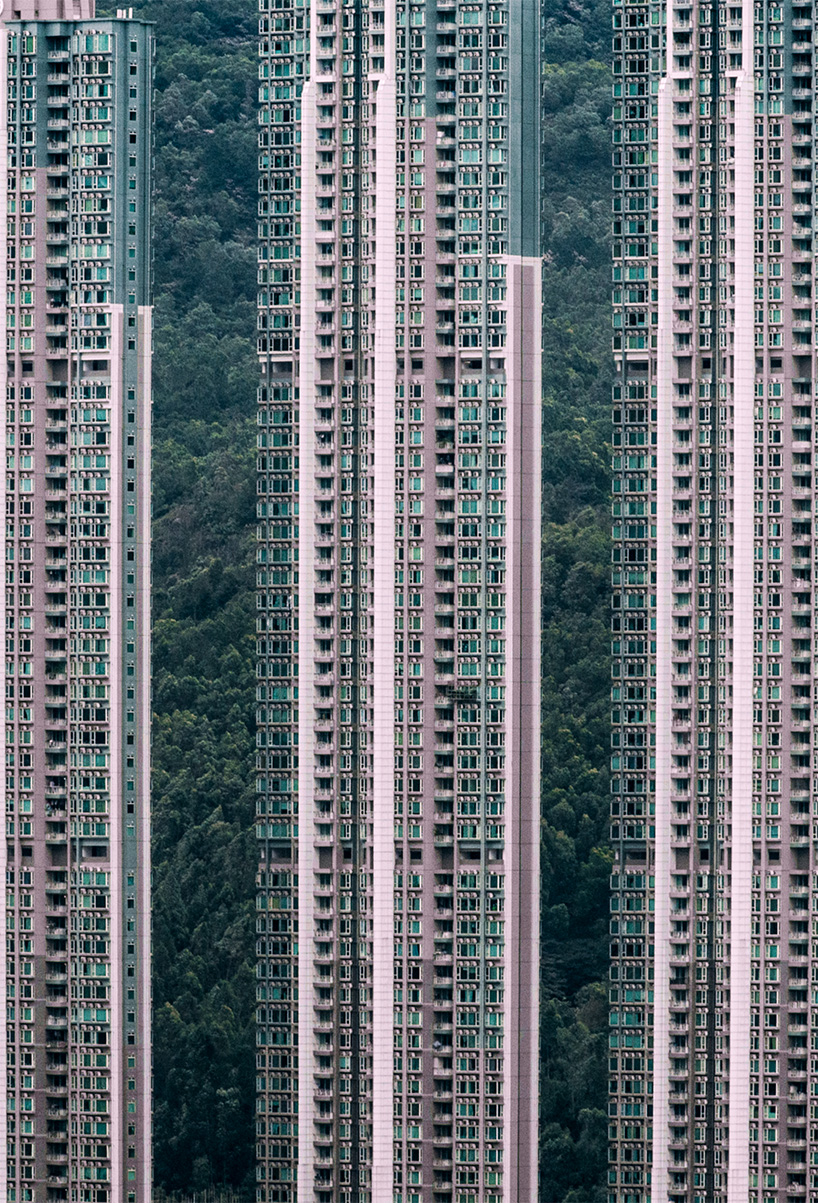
204 508
576 576
205 379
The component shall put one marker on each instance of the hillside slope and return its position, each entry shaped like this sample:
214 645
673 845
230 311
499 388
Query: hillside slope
204 489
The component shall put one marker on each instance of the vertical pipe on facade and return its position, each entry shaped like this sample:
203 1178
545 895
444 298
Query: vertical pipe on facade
523 571
522 793
116 832
664 597
74 374
359 645
3 385
742 730
762 961
483 678
143 818
306 633
621 847
383 405
715 845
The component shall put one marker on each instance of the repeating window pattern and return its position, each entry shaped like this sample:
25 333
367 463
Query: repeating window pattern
77 1116
711 1059
326 158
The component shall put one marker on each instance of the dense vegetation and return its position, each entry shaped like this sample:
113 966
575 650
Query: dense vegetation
204 508
576 575
205 376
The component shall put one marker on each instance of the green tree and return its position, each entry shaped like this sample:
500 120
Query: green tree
205 379
204 491
577 374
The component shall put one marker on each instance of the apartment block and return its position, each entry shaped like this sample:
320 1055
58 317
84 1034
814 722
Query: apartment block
398 601
714 1056
75 1054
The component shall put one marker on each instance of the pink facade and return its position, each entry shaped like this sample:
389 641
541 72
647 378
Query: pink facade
714 1006
399 552
76 373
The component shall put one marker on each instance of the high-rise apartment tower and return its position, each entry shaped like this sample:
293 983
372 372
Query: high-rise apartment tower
75 1050
398 601
714 1058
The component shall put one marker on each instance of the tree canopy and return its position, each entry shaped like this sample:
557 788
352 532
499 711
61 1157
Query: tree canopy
204 489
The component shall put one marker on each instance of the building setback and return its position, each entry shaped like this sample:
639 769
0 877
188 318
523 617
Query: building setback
713 1065
75 1053
398 601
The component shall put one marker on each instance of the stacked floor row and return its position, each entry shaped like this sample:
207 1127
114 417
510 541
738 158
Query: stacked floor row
398 601
712 1059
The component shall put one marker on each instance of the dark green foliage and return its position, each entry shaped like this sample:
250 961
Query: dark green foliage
575 740
574 1083
203 799
575 858
576 30
577 369
205 377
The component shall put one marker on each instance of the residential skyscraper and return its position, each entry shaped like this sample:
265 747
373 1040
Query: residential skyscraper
75 1052
398 601
714 1058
